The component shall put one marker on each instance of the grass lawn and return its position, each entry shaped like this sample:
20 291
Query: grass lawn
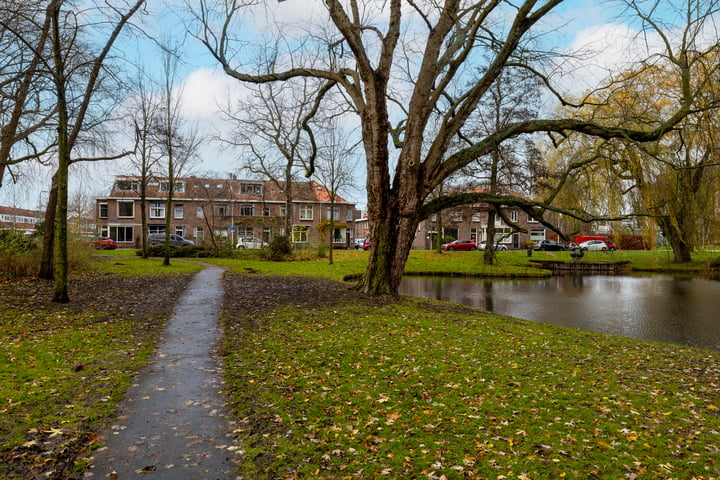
421 389
399 389
63 368
418 389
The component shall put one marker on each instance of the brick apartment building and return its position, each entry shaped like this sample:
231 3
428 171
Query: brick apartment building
227 208
19 219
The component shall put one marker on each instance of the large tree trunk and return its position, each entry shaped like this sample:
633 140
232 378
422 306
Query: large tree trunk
675 236
63 152
46 263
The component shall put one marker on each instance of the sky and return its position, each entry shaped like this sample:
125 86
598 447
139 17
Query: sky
204 86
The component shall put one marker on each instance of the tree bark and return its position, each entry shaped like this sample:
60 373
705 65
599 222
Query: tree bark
48 256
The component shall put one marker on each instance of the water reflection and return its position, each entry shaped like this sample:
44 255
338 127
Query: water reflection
657 307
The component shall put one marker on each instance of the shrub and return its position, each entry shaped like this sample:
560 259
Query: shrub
18 255
279 248
178 252
632 241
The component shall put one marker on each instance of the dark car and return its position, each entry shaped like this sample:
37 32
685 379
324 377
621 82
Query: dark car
177 240
103 243
459 245
549 245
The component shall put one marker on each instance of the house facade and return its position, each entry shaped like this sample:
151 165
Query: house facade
19 219
470 222
226 209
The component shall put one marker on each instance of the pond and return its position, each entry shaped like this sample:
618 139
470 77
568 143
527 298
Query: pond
666 308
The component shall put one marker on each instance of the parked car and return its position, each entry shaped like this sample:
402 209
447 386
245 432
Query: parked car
366 244
593 245
578 239
499 247
159 238
249 242
549 245
103 243
459 245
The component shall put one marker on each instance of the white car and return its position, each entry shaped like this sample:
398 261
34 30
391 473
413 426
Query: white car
499 247
248 242
597 245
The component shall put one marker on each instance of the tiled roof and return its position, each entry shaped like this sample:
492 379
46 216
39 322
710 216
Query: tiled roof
226 188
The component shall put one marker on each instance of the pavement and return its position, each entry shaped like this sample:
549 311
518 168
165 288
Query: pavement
172 423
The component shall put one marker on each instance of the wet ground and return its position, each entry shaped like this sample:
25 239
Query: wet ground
173 423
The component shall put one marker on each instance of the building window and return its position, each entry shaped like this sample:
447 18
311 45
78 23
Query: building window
456 216
532 220
127 186
157 209
245 232
537 234
200 213
126 209
252 188
300 233
179 187
335 213
283 210
121 234
306 212
178 211
247 211
339 235
266 211
349 215
199 232
156 228
180 231
103 210
476 217
221 210
513 215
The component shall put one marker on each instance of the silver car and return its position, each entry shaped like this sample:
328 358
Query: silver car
249 242
159 238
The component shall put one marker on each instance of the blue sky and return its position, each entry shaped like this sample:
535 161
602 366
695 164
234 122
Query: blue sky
579 22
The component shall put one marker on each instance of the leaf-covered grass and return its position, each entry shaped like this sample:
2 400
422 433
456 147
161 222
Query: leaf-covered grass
419 389
64 367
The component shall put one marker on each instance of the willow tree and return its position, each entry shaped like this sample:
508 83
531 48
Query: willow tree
669 183
404 67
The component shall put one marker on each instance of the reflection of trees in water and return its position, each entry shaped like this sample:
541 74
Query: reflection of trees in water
488 290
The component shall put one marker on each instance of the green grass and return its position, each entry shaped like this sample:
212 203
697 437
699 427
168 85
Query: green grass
348 263
413 389
417 390
126 263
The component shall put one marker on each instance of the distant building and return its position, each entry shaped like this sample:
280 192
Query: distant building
19 219
470 222
226 208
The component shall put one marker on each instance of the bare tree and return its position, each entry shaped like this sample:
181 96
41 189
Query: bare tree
397 93
24 115
144 111
179 142
272 127
76 78
334 166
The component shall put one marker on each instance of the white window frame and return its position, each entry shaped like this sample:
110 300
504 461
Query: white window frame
101 207
300 233
178 211
306 212
157 209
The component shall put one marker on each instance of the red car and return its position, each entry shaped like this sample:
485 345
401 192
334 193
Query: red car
459 245
103 243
